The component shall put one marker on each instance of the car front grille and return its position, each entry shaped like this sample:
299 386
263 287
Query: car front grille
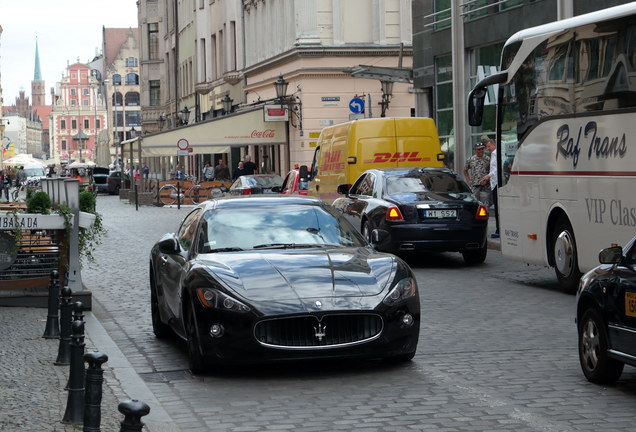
313 332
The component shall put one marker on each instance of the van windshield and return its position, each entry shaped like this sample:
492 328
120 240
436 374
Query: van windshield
34 171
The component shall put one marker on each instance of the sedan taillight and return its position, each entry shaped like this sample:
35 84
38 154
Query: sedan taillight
247 191
393 214
482 213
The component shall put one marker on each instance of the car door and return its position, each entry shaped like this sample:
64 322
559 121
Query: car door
354 206
175 266
621 302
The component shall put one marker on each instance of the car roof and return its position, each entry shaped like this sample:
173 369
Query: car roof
411 170
258 200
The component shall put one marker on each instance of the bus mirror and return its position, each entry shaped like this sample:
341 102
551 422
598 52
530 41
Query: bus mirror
476 106
303 172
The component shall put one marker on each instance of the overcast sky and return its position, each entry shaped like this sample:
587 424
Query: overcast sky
65 30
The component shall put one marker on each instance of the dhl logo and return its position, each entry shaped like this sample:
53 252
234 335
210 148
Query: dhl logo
332 161
397 157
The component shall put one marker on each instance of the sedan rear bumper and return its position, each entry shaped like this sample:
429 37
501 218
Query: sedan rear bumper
420 237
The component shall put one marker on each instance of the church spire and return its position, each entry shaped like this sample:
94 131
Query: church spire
37 75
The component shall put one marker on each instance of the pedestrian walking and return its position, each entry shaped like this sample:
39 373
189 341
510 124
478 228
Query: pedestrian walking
146 171
249 166
6 183
208 172
475 170
20 177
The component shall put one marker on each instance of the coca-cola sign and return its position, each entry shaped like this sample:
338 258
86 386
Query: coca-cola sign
267 133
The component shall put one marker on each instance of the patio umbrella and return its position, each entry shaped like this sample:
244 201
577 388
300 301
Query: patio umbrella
23 159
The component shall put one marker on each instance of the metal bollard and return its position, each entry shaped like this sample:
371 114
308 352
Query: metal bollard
133 411
75 403
93 391
64 349
78 309
52 330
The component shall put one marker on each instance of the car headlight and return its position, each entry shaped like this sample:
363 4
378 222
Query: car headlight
215 299
401 291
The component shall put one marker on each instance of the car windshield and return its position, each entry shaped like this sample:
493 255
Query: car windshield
276 226
34 172
439 182
265 182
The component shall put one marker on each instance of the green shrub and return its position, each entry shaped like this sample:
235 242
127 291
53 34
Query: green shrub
87 201
39 202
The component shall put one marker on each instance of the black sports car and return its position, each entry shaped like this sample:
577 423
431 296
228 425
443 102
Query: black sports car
281 277
606 315
422 209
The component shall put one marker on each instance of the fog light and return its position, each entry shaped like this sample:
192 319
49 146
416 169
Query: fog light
407 320
216 330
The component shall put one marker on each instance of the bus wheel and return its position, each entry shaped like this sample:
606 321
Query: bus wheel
566 265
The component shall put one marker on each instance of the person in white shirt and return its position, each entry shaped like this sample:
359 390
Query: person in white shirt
492 177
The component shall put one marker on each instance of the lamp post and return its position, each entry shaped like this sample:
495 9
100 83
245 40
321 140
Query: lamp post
387 93
293 103
161 121
184 115
80 137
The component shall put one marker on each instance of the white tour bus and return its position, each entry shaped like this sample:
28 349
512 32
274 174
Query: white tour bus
566 133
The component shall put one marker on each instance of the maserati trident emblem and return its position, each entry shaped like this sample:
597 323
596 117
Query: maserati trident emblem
320 332
318 304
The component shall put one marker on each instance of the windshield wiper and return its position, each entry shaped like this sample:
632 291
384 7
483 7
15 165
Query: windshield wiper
292 245
225 249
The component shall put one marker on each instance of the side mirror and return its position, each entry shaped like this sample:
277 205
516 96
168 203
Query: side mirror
169 245
476 100
611 255
343 189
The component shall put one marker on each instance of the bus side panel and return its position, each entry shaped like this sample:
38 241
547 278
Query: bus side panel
510 226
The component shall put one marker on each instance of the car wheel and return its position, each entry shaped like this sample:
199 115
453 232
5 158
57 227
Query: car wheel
159 328
196 363
566 264
597 366
366 231
475 256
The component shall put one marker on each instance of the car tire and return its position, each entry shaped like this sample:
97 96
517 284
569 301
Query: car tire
159 328
475 256
195 359
366 231
566 265
595 363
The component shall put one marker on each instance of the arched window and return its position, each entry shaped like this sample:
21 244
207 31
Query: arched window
132 99
117 99
116 79
132 79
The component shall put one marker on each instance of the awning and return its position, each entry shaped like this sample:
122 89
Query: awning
217 135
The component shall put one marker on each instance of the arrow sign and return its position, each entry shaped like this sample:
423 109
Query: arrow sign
356 105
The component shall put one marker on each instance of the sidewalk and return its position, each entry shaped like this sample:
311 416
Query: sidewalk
32 392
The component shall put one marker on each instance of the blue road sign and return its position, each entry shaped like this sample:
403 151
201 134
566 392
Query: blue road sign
356 105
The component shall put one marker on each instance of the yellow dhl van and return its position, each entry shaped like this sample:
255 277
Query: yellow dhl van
346 150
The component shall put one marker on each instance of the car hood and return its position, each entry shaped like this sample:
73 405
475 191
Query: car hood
297 274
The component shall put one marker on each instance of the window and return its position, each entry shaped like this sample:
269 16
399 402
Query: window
153 41
442 18
484 61
98 123
116 79
87 123
118 119
364 185
132 99
62 124
73 92
117 99
132 79
73 102
85 102
63 144
444 105
85 91
155 93
73 124
133 118
131 62
188 228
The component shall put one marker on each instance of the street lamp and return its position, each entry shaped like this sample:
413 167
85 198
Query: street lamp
81 137
294 103
161 121
387 93
226 102
184 115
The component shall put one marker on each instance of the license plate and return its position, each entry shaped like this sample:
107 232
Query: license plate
630 304
440 213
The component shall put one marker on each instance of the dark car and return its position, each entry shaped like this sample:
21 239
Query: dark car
114 181
422 209
100 179
606 315
271 278
255 184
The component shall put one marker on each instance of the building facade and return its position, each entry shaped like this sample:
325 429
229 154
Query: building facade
211 79
458 42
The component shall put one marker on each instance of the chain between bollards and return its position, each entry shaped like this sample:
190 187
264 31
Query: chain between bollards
52 330
133 411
